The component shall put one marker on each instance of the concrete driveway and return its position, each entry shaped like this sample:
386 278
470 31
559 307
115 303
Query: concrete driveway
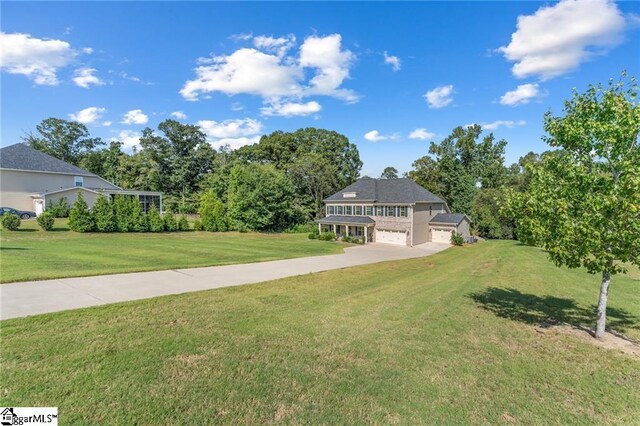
39 297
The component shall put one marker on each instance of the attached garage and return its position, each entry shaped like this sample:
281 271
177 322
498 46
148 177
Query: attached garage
441 235
443 225
391 237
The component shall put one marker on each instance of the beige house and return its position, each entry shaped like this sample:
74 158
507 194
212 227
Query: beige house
393 211
32 180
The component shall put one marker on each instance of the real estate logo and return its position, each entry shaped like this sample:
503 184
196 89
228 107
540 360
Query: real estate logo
28 416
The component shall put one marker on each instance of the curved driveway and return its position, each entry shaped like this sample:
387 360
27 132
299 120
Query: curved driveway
39 297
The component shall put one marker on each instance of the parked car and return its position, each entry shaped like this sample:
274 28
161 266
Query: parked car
23 214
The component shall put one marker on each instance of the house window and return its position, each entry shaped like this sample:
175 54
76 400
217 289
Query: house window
331 210
402 211
357 210
379 211
339 210
359 231
368 211
348 210
78 181
391 211
146 201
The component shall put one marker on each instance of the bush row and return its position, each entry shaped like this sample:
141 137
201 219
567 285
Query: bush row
124 214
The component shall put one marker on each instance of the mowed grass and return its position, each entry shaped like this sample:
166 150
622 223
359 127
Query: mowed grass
32 254
447 339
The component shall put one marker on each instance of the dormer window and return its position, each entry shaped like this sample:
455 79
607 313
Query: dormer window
78 181
349 194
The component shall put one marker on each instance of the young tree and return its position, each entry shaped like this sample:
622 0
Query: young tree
103 214
213 213
80 218
123 209
154 219
66 140
389 173
138 218
583 202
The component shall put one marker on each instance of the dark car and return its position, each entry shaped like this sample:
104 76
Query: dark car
21 213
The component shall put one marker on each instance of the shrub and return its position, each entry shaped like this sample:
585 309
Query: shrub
197 225
123 210
45 220
213 213
156 224
457 239
60 208
327 236
138 218
170 223
10 221
103 215
80 218
313 236
183 224
303 228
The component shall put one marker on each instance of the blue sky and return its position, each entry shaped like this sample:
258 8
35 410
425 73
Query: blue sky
390 76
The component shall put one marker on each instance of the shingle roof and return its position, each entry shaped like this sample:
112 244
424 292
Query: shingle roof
23 157
402 190
453 218
361 220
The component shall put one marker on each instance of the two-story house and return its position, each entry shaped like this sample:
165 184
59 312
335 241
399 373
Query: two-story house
32 180
393 211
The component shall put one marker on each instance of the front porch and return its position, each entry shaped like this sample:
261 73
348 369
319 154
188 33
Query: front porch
352 226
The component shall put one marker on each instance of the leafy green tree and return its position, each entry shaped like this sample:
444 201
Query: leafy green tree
138 218
178 161
46 221
389 173
123 210
170 224
107 163
261 198
80 218
213 213
154 219
314 177
66 140
59 208
583 203
487 220
103 213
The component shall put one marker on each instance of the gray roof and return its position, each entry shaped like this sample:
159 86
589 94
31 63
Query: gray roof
403 191
22 157
453 218
360 220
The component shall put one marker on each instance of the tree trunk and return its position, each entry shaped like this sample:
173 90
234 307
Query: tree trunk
602 304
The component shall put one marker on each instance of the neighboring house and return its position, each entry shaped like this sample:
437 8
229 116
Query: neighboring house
32 180
394 211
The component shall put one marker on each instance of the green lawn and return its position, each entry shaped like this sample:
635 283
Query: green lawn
32 254
447 339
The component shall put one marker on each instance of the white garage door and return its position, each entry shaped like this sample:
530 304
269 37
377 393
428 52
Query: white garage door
391 237
440 236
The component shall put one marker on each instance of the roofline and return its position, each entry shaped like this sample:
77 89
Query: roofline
69 189
452 223
85 174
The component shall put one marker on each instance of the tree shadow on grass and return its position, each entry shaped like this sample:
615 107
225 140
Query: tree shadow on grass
533 309
13 248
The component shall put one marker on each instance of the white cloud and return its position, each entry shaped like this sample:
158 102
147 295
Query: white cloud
279 45
502 123
394 61
276 77
38 59
291 109
129 138
557 39
440 96
375 136
235 133
422 134
107 123
237 106
521 95
135 116
241 37
84 77
88 115
135 79
87 50
179 115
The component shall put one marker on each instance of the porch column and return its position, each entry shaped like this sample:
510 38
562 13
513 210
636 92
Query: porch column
334 228
366 231
319 228
346 230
